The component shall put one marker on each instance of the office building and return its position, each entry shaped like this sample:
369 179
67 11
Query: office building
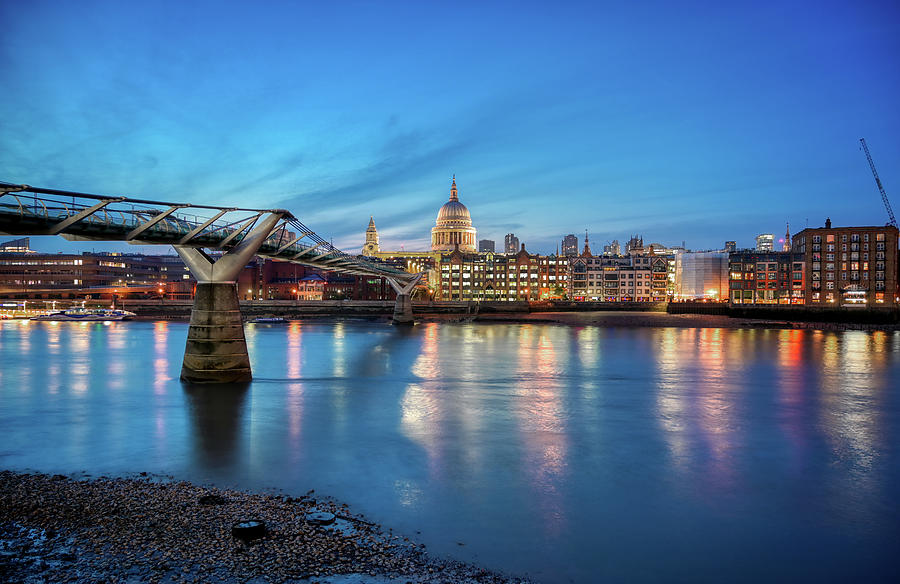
569 245
765 242
510 243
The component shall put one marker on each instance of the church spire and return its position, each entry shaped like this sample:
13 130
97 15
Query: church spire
453 195
587 248
787 238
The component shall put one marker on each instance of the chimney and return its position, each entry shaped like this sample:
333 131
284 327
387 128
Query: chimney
828 223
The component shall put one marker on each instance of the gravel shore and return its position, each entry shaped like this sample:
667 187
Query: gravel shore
58 529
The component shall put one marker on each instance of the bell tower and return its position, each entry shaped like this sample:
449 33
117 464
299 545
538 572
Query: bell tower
371 246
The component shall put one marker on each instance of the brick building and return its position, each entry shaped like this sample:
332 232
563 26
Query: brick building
849 266
766 277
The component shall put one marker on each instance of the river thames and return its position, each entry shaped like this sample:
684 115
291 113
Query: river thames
565 453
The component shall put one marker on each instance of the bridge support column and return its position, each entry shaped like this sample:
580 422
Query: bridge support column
403 308
216 350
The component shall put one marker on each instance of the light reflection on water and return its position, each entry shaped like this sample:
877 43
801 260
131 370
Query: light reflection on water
572 453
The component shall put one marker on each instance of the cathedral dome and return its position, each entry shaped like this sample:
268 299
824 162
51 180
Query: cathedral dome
454 214
453 226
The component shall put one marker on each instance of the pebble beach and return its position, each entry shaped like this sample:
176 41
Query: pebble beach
158 530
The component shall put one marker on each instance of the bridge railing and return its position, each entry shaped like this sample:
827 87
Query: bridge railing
26 210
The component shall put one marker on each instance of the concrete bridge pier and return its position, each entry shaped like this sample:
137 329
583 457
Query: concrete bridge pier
403 308
216 350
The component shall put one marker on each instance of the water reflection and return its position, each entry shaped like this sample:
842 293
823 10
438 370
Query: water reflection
671 397
540 420
698 412
535 445
216 416
161 376
295 388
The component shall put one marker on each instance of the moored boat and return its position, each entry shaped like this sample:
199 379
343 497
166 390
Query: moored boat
87 315
268 320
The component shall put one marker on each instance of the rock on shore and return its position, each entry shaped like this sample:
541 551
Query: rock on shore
57 529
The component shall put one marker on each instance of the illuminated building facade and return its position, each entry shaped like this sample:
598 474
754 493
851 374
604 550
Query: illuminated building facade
766 278
28 274
701 275
765 242
634 278
500 277
849 266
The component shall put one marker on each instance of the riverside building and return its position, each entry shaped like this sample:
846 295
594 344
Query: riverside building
634 278
849 266
701 275
766 277
500 277
26 274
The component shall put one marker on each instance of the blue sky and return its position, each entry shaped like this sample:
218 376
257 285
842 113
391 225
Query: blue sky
688 121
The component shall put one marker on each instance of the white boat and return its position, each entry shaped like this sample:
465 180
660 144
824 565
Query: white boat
268 320
87 315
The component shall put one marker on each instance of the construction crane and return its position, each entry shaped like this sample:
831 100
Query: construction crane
884 197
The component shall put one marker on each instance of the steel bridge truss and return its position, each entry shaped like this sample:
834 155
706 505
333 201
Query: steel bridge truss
27 210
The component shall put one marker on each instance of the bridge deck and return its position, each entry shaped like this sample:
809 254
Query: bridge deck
26 210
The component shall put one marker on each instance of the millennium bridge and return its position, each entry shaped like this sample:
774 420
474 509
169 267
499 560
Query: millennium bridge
216 350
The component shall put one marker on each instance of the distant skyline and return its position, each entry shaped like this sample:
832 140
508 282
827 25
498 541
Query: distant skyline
695 121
